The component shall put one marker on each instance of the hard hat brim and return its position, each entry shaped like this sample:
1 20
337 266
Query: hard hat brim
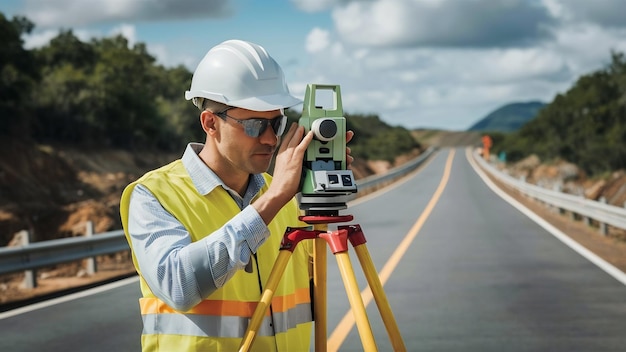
266 103
262 103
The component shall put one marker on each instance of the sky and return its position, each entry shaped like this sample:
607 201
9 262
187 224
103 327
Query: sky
441 64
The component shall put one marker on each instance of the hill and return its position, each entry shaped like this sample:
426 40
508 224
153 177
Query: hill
509 117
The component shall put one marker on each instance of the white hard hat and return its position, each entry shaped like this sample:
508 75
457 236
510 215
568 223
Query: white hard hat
241 74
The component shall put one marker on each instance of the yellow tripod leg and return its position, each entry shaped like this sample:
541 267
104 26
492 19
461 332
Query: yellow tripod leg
380 297
266 299
356 302
319 291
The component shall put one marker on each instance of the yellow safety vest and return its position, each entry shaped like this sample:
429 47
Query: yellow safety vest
219 322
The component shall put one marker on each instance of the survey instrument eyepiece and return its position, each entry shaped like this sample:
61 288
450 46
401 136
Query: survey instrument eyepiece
324 129
326 181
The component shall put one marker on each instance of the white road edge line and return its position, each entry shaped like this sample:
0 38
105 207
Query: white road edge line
592 257
70 297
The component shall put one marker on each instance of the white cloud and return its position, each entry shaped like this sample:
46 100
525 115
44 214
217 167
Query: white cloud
443 23
609 13
317 40
586 46
127 31
42 38
498 66
69 13
39 39
171 58
315 5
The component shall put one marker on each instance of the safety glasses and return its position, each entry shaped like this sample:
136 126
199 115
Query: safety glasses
255 126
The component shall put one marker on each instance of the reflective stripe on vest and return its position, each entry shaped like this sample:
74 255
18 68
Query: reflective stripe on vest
225 318
223 326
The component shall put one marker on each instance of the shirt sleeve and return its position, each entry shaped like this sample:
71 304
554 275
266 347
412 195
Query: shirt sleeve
181 272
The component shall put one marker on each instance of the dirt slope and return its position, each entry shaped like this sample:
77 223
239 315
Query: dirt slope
52 191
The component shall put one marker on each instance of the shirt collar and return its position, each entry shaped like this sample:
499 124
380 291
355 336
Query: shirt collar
205 180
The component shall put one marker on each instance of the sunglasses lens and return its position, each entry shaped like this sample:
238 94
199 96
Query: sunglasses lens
254 127
278 124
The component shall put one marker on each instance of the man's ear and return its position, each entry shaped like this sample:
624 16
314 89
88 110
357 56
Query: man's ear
208 122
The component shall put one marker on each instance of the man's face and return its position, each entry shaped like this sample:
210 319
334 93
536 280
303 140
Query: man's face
251 155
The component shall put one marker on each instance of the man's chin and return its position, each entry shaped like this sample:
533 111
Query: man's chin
262 164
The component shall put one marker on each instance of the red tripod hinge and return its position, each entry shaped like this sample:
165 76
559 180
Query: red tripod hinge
355 234
294 235
337 240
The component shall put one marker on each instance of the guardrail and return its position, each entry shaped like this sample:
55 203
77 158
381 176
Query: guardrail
374 182
604 214
41 254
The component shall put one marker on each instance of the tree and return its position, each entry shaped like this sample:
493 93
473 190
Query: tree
18 74
182 117
67 49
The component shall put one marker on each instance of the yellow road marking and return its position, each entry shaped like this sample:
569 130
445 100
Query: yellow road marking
347 322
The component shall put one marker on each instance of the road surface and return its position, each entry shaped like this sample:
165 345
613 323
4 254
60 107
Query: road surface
463 270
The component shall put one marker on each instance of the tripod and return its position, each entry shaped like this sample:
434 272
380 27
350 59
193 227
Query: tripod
338 242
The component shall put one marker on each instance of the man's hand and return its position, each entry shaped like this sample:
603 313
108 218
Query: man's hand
349 158
287 173
288 166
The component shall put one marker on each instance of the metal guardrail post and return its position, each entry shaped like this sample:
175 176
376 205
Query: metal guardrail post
602 225
30 276
558 188
91 261
586 219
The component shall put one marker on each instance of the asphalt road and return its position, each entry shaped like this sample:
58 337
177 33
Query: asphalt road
97 320
465 271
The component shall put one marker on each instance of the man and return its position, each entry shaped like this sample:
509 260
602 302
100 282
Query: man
205 230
